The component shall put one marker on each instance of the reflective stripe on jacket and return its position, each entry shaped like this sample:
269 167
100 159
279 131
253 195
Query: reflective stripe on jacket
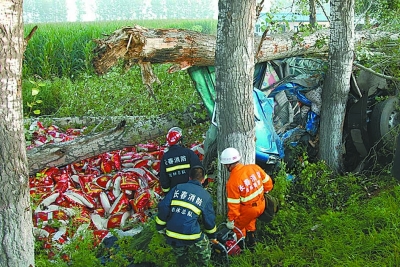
245 188
175 166
180 211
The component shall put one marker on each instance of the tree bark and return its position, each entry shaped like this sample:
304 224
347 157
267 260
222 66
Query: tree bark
234 70
185 48
137 130
16 236
337 83
85 121
313 13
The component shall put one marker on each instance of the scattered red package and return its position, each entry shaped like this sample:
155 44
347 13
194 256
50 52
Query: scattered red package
117 189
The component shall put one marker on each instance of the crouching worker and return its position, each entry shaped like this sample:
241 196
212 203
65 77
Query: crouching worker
245 190
179 214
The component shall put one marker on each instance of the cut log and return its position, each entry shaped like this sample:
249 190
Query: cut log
124 135
137 44
85 121
186 48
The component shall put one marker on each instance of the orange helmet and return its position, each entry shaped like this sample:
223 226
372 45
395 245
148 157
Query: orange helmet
174 135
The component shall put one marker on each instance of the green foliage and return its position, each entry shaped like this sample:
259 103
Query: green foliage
321 42
306 30
384 12
353 224
115 94
79 251
282 185
315 187
34 101
147 247
272 26
197 28
382 57
39 97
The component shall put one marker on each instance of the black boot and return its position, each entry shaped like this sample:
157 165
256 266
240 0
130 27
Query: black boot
251 239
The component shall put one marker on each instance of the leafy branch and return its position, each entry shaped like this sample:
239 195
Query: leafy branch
35 101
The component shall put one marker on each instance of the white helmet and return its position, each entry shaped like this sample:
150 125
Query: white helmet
230 155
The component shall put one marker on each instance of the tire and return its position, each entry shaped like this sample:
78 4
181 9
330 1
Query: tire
385 117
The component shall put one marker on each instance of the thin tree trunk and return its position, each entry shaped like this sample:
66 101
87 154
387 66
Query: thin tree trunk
313 13
337 83
234 68
16 235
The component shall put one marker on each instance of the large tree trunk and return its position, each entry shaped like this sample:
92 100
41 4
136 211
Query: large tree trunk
185 48
138 129
234 69
16 235
337 83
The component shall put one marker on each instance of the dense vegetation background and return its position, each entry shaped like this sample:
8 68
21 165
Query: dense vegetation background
58 62
324 220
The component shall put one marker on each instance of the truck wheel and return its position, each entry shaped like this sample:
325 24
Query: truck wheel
385 116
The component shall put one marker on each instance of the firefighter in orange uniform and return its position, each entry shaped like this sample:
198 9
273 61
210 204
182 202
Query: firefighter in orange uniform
245 191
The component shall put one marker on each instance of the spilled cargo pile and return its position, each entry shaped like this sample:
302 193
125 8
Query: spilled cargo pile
116 190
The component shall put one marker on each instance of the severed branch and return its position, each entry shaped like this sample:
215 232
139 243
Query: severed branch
30 35
148 77
391 78
264 35
323 10
259 8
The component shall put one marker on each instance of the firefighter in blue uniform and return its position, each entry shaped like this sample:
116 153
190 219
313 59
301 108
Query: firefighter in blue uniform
179 214
177 161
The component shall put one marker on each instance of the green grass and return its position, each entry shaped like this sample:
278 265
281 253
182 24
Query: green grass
364 233
114 94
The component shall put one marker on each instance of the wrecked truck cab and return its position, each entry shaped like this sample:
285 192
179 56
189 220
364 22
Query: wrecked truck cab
287 102
273 112
269 147
270 130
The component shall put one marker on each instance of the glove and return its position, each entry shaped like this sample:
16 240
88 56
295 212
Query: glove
214 241
230 224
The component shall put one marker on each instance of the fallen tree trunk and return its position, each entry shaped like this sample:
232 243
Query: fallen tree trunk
185 48
124 135
84 121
